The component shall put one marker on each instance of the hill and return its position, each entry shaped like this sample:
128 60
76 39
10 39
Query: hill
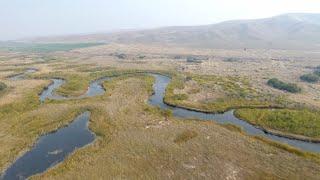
288 31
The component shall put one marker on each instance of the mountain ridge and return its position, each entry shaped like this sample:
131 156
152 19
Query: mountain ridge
286 31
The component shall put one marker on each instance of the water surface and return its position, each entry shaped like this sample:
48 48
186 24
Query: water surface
21 76
51 149
95 89
161 82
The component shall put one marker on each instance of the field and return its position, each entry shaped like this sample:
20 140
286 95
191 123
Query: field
138 141
43 47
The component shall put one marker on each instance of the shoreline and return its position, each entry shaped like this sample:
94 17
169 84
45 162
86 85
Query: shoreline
266 130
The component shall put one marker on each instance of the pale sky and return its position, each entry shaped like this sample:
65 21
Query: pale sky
29 18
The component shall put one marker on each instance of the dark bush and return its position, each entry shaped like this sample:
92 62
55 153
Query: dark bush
312 78
178 57
188 78
119 55
192 59
2 86
317 72
290 87
231 59
196 59
141 56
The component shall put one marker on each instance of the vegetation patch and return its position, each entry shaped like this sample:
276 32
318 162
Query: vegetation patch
311 78
185 136
302 122
179 97
289 87
3 86
231 59
313 156
317 71
45 47
232 127
234 92
76 83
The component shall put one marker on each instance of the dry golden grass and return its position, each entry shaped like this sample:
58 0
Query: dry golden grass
138 144
258 65
134 140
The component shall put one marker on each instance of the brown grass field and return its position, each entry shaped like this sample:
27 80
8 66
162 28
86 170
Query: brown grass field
134 139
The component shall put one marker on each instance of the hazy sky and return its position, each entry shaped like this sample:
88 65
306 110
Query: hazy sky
27 18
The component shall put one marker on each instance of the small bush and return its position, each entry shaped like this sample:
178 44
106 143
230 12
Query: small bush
180 97
196 59
185 136
166 113
312 78
290 87
178 57
231 59
317 72
2 86
119 55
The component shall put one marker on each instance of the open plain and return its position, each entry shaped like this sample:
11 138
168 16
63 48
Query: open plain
135 140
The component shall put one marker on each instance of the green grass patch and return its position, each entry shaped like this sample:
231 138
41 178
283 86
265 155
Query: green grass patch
317 72
45 47
236 92
76 83
29 102
289 87
185 136
308 155
302 122
3 86
232 127
311 78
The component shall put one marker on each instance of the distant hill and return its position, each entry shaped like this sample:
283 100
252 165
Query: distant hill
288 31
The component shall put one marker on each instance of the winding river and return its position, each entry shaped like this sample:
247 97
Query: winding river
53 148
20 76
95 89
161 82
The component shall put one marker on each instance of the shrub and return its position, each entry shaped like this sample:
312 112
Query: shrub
290 87
196 59
119 55
141 56
185 136
231 59
178 57
180 97
310 78
317 72
188 78
2 86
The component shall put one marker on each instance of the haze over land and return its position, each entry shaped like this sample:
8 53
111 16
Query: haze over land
288 31
162 89
33 18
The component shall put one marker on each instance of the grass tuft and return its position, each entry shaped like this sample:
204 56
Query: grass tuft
185 136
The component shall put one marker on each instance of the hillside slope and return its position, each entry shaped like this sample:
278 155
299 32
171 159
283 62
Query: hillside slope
288 31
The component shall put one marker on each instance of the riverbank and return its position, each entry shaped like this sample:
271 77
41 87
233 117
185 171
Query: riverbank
134 140
196 107
294 123
266 130
52 148
139 138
